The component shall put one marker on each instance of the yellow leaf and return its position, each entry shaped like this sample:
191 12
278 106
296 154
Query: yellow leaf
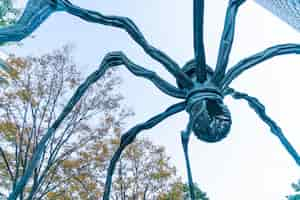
69 164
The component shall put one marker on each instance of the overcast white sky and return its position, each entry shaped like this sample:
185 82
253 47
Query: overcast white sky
250 163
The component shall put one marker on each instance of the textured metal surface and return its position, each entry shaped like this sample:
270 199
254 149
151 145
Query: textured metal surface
287 10
202 100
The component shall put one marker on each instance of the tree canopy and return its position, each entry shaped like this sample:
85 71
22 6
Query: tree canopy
296 188
76 157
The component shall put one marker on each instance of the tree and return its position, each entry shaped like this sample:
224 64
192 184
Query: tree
180 191
8 15
143 172
37 91
75 161
199 195
296 187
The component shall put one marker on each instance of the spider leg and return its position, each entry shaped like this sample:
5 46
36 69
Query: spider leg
198 40
260 110
37 11
185 136
227 39
129 137
129 26
112 59
119 58
255 59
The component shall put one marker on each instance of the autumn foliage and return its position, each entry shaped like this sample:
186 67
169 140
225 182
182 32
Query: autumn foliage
74 164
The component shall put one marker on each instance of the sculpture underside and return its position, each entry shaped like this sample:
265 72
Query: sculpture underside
287 10
201 88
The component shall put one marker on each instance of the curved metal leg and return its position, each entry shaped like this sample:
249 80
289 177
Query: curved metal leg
35 13
185 136
129 137
129 26
227 39
198 40
119 58
252 61
109 61
260 110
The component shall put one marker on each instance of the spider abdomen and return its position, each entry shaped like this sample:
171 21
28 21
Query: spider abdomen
211 120
210 117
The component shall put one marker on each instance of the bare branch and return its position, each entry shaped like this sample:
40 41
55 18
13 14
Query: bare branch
6 164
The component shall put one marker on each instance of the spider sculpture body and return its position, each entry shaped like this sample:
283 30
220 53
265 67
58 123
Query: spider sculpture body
201 88
210 119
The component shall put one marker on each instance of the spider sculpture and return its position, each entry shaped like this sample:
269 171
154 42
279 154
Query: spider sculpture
201 88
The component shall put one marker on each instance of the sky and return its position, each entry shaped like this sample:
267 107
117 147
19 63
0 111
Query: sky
250 163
